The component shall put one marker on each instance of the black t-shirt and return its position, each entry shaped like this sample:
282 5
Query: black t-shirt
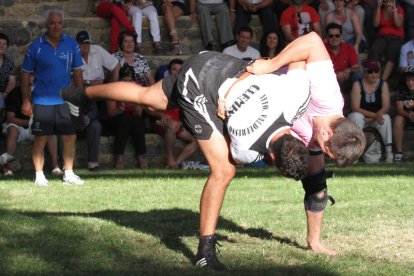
14 103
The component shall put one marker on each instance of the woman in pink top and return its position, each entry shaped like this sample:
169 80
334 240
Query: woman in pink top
389 19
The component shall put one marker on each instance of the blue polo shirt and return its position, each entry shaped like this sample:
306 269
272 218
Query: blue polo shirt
52 68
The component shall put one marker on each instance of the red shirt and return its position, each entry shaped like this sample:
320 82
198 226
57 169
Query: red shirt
387 26
308 16
346 57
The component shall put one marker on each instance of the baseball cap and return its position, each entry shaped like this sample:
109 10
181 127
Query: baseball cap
83 37
409 70
371 64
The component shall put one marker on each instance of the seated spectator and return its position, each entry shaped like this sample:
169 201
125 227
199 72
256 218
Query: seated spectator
7 74
370 103
17 130
127 119
405 112
351 27
344 58
172 9
203 10
389 20
407 54
408 6
242 49
299 19
271 44
115 11
245 9
95 60
136 10
169 126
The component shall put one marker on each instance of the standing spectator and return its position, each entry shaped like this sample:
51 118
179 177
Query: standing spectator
127 119
370 103
95 60
173 9
389 19
351 26
271 44
299 19
17 130
244 10
138 9
405 112
407 54
115 11
343 56
52 58
170 127
203 10
242 49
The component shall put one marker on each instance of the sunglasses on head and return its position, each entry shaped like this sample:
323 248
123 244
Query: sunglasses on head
334 35
370 71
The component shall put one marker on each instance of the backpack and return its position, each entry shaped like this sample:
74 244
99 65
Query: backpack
375 148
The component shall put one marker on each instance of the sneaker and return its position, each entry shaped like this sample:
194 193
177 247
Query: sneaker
8 173
72 179
93 166
6 158
201 166
389 158
398 157
206 255
41 181
186 165
57 171
75 97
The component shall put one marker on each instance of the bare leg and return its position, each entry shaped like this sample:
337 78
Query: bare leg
314 233
52 147
69 149
152 96
11 141
188 149
216 151
399 123
386 73
38 154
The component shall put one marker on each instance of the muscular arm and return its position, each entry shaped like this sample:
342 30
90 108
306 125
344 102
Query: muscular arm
308 48
26 94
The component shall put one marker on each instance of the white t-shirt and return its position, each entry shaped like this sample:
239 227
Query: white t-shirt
235 52
258 107
326 99
98 59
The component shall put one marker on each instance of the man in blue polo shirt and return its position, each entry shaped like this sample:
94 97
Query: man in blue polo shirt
52 58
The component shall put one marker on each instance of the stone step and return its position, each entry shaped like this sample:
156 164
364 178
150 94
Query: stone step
155 153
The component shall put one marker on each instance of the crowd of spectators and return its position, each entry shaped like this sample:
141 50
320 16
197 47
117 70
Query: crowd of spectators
383 30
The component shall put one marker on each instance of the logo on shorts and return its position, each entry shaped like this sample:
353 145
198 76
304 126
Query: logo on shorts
198 129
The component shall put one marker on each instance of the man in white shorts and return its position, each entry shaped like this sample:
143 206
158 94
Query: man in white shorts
195 90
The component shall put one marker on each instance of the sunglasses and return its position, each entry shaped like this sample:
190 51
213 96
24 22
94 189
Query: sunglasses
370 71
334 35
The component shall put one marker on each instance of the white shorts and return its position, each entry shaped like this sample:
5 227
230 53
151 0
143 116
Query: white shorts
24 133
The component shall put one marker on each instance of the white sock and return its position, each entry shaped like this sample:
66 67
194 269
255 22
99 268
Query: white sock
388 149
69 172
40 174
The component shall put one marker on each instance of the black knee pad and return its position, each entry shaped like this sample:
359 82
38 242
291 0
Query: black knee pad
316 192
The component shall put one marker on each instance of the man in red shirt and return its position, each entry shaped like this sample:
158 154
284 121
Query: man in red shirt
344 59
299 19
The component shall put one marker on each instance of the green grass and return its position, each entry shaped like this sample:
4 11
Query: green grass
146 223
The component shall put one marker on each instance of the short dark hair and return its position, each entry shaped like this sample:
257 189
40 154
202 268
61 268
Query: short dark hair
347 143
333 25
174 61
291 157
5 37
122 36
246 29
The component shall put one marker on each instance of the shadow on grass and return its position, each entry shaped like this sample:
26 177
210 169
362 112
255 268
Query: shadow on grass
170 226
73 251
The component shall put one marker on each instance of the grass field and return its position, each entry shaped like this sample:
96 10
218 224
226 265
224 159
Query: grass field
133 222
